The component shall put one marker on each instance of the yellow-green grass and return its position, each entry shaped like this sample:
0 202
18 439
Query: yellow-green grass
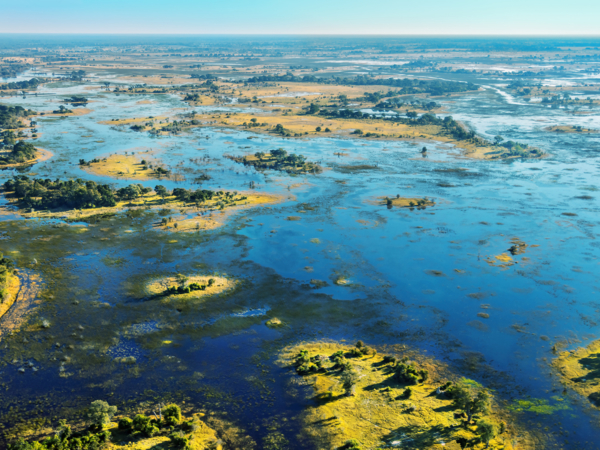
221 284
379 412
580 370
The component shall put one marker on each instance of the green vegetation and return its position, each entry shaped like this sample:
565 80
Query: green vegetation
169 425
20 152
21 85
10 115
409 404
408 86
183 289
6 269
77 100
279 160
72 194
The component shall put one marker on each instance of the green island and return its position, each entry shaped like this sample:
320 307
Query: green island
279 159
366 400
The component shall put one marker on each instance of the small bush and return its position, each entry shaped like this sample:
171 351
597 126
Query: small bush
178 440
352 444
360 344
172 415
140 422
355 352
407 392
389 359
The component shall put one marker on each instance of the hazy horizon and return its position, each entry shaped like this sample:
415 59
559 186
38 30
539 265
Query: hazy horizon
465 17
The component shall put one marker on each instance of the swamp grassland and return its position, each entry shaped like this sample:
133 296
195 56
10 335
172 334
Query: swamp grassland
579 370
77 200
312 114
365 399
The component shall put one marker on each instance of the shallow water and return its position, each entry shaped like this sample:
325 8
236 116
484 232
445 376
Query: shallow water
419 277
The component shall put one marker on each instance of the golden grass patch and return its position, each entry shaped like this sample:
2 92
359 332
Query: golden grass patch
129 167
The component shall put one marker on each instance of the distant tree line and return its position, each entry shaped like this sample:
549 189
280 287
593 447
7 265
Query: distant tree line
409 86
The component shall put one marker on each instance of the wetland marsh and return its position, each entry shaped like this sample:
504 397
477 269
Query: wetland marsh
480 266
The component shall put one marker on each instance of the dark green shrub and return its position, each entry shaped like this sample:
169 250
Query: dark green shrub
389 359
407 392
424 374
140 422
352 444
360 344
125 424
179 441
355 352
406 373
172 415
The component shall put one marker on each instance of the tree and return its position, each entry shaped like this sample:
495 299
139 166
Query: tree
181 279
349 379
100 413
313 109
172 415
161 190
498 139
471 397
487 431
343 99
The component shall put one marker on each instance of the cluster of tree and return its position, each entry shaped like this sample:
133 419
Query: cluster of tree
76 99
203 76
6 269
279 159
10 115
12 68
42 193
95 436
183 289
20 152
21 85
409 86
76 75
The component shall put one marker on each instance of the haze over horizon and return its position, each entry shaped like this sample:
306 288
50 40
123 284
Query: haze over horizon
465 17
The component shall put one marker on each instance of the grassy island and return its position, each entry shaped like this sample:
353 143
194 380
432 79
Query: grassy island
404 202
366 400
163 428
570 129
580 370
279 160
125 166
36 197
183 287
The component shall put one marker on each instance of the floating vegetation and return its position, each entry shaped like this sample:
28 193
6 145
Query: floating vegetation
539 405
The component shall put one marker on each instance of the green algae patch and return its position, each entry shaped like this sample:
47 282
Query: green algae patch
580 370
358 397
539 405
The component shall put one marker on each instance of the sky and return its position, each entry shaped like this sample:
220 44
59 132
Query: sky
398 17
